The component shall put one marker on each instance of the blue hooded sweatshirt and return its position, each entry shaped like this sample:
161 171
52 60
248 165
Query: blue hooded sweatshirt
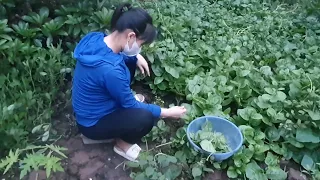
101 82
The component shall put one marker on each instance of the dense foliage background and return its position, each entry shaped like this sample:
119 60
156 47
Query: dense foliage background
255 62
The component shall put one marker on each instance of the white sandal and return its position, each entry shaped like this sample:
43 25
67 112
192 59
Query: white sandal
132 153
139 97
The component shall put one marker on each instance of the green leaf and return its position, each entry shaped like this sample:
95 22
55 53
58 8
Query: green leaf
52 164
37 42
261 148
31 162
232 173
307 163
281 96
5 36
271 159
266 70
158 80
196 172
244 73
49 41
181 156
272 134
247 131
57 149
173 171
157 70
43 73
256 116
289 47
259 135
45 136
9 160
194 89
249 113
262 102
254 172
2 80
76 30
207 146
62 33
207 126
244 114
44 12
276 173
208 170
149 171
294 142
172 71
271 112
150 57
132 164
36 128
141 176
306 135
217 165
165 160
315 115
294 89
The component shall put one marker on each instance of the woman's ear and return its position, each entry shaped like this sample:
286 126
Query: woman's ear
132 35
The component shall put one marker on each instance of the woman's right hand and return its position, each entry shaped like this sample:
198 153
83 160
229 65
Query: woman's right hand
175 112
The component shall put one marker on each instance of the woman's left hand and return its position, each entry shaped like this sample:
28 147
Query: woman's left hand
143 65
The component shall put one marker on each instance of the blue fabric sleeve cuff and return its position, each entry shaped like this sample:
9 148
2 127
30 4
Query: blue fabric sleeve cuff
132 59
156 111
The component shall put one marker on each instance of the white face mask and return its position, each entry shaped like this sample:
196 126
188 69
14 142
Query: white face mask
135 49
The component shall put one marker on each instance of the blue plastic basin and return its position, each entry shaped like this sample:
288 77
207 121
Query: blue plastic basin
228 129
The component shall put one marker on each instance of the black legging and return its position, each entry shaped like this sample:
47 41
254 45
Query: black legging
128 124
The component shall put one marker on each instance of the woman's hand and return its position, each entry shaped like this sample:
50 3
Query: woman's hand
143 65
175 112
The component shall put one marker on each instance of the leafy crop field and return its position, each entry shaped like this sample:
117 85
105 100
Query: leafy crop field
254 62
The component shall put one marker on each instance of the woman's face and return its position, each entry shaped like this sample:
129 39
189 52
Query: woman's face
131 46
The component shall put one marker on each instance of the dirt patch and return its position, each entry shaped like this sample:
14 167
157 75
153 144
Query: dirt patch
39 175
296 175
216 175
80 158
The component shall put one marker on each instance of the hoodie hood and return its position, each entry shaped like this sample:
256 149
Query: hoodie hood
92 51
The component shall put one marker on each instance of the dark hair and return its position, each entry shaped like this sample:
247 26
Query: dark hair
136 19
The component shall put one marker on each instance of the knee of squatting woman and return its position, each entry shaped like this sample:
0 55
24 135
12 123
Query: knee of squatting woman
103 103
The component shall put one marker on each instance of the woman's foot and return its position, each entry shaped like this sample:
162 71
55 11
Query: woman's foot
126 150
124 146
139 97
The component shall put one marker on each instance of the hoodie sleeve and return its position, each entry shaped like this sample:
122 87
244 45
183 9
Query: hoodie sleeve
128 59
118 86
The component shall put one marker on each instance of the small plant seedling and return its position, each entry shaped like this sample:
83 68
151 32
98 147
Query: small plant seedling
209 140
